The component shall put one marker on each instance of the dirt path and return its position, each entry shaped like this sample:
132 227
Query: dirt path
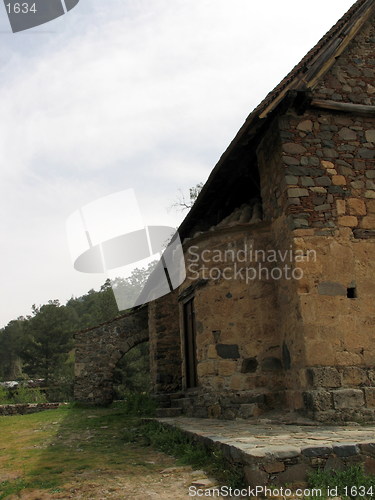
171 483
73 453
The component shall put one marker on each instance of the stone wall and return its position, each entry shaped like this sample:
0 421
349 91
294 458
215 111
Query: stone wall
284 455
99 349
329 164
26 409
352 78
239 356
165 345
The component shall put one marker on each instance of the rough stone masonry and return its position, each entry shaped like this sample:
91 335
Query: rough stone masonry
299 177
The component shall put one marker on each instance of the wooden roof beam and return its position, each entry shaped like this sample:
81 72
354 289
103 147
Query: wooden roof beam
344 107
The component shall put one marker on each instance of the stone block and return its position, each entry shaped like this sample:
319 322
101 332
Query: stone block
297 223
322 208
370 397
291 179
370 174
318 400
294 201
206 368
345 450
324 376
211 352
306 126
286 451
238 382
370 206
297 192
307 181
356 206
348 398
338 190
367 153
226 367
338 180
274 467
255 477
348 221
249 365
313 161
330 153
332 289
368 222
368 449
370 135
289 160
293 148
334 464
294 475
353 375
341 207
357 184
327 164
347 134
346 358
323 181
214 411
228 351
317 451
248 410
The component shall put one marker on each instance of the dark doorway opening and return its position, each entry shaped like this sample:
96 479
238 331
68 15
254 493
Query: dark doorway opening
190 344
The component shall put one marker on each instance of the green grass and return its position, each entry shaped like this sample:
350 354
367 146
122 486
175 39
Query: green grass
49 449
56 450
73 446
188 452
351 482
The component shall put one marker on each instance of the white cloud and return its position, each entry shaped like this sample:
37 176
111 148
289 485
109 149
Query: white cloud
143 94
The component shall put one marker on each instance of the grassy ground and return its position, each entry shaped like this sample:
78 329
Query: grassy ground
82 453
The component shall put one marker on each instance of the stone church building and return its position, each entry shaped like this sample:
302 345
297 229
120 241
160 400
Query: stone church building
278 307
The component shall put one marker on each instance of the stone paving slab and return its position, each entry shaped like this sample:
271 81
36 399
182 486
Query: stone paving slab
279 441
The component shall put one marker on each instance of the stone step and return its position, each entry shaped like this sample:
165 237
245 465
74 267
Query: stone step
168 412
180 403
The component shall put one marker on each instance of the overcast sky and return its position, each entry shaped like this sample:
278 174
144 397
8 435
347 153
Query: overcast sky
118 94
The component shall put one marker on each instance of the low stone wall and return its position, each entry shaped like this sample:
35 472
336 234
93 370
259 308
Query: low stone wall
26 409
293 467
225 405
273 454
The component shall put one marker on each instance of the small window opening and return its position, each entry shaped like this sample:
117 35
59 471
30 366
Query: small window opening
351 293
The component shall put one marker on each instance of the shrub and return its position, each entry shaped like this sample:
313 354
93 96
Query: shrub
4 396
352 482
28 395
139 404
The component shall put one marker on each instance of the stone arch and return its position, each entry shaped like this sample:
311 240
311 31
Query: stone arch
99 349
